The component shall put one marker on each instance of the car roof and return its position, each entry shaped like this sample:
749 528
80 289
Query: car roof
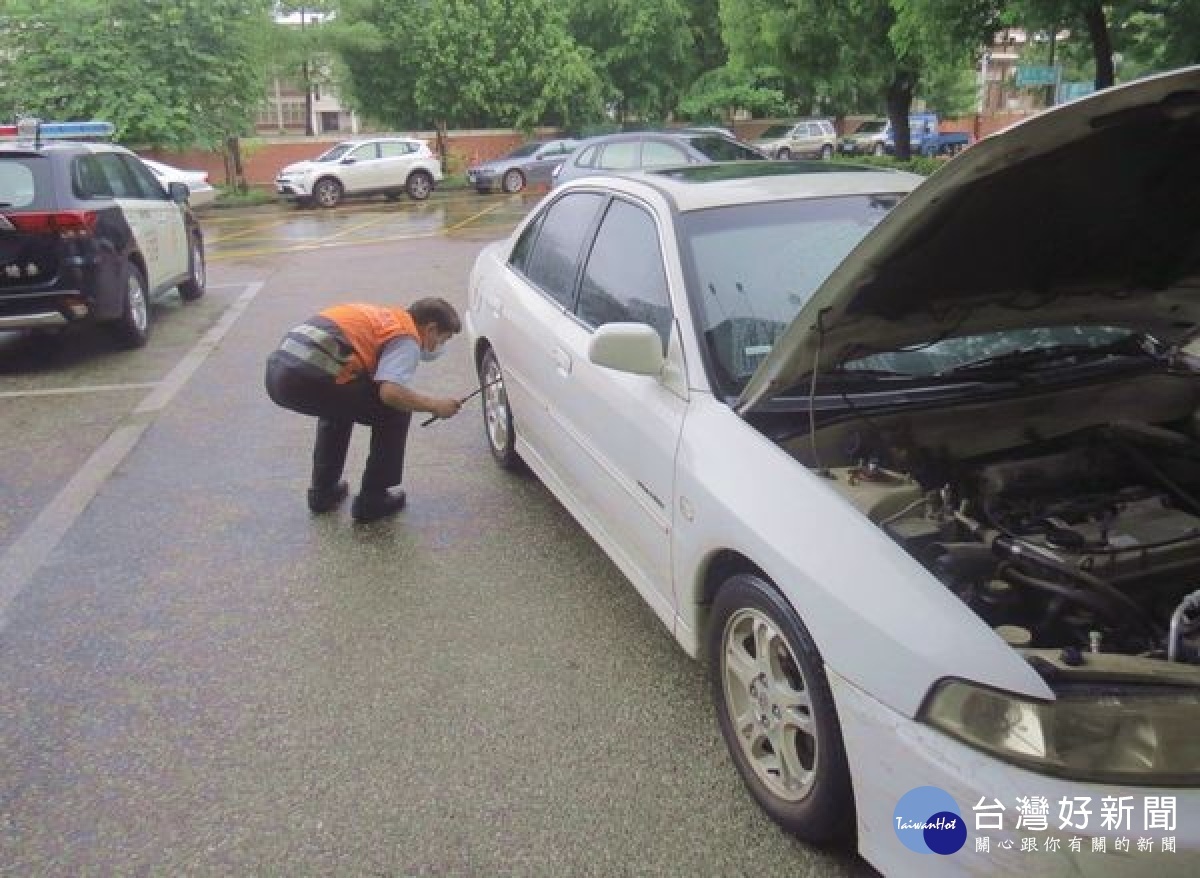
60 147
698 187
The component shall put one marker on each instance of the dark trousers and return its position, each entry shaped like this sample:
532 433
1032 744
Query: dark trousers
338 407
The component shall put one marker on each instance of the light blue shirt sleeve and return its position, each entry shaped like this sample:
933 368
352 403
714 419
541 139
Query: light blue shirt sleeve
398 360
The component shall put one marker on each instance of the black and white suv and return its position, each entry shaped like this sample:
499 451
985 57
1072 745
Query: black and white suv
87 233
373 166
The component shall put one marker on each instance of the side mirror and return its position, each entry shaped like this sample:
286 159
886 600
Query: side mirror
636 348
349 160
179 192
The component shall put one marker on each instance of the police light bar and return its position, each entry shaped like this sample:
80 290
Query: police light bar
32 129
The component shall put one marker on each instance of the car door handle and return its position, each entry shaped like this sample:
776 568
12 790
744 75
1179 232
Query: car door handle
562 361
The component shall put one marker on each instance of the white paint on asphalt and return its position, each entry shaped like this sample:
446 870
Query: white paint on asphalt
87 388
21 561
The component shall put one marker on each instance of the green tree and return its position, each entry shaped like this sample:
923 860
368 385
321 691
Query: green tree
717 94
643 49
164 72
411 63
842 54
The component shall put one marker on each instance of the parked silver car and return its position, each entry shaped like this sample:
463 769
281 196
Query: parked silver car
527 165
635 150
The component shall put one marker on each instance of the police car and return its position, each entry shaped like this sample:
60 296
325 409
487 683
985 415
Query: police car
88 234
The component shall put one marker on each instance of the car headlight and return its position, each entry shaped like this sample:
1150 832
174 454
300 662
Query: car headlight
1089 733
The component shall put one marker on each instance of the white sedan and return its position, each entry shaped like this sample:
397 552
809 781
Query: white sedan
913 468
201 193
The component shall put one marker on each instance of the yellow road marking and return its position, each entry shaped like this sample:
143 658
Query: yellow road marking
474 217
354 228
246 232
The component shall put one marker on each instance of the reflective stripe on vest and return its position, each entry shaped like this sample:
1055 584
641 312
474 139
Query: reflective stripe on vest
367 328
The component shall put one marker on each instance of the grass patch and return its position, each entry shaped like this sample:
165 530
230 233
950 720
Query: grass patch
252 197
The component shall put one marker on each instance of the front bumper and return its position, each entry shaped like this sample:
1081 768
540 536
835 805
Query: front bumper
292 188
482 179
890 755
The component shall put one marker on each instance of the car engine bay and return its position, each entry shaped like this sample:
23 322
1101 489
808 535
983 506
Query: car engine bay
1078 546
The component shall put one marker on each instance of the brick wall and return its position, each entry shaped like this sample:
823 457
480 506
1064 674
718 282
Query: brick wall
262 158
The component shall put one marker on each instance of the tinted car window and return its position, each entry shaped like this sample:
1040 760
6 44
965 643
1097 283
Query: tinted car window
624 280
554 262
148 185
88 178
721 150
117 176
520 254
19 180
620 156
658 153
587 158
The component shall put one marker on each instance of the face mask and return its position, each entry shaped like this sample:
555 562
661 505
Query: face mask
430 356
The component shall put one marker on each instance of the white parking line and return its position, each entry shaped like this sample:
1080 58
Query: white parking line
21 561
87 388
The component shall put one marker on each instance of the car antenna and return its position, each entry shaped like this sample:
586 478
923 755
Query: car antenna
812 397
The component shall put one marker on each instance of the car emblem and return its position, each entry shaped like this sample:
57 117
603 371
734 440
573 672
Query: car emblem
5 225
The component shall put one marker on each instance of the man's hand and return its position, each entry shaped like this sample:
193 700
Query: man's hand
445 408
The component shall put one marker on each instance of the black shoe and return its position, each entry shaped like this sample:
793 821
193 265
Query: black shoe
372 507
326 499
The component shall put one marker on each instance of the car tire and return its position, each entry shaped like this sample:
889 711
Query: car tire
826 153
513 182
783 154
497 415
327 193
193 288
419 185
779 702
879 149
132 328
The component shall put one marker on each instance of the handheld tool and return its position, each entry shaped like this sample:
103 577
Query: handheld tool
475 392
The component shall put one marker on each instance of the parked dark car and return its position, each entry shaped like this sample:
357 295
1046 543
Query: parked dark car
529 164
636 150
88 234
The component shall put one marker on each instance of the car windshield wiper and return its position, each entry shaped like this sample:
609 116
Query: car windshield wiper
1133 346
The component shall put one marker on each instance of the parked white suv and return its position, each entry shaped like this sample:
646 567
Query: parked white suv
371 166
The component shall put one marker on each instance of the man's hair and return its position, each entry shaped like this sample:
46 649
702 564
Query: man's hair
435 310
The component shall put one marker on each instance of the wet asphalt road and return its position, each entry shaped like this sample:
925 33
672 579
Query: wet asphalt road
199 678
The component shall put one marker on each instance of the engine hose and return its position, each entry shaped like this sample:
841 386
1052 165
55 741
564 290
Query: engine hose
1149 467
1083 596
1031 554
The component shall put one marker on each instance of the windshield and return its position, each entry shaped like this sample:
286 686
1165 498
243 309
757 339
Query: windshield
952 354
871 127
775 131
336 153
751 267
523 150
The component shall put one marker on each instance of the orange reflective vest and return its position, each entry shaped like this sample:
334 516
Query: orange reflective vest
367 328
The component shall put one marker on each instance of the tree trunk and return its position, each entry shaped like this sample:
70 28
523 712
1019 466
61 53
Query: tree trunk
899 102
233 162
309 129
442 145
1097 25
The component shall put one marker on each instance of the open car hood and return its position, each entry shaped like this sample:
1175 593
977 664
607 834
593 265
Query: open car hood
1085 214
